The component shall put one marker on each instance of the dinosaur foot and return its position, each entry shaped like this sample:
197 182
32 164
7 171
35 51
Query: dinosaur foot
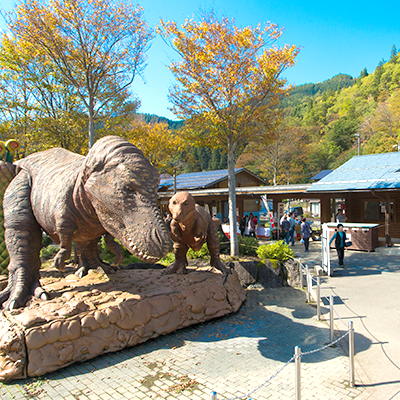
100 267
19 291
221 267
175 268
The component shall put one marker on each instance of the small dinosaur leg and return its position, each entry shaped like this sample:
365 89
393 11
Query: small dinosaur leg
23 237
213 247
179 265
89 258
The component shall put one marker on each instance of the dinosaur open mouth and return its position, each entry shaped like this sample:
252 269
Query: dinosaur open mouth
142 255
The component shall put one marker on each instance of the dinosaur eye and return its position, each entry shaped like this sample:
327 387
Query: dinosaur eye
129 188
185 203
174 202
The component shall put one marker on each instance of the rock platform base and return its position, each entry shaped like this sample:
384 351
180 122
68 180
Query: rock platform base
105 313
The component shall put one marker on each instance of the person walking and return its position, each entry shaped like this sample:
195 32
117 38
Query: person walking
340 217
292 223
340 240
305 233
251 225
243 224
285 226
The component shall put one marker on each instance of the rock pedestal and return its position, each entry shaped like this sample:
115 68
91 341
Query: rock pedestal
99 314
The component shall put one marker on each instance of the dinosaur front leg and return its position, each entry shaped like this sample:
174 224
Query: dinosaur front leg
115 248
179 265
23 237
65 251
89 258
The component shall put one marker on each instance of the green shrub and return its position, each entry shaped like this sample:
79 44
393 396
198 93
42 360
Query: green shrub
202 253
47 253
107 255
46 241
248 246
168 259
277 250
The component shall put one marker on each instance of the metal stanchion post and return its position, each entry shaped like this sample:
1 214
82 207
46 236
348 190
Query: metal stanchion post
308 284
331 316
297 353
213 396
351 353
301 273
318 298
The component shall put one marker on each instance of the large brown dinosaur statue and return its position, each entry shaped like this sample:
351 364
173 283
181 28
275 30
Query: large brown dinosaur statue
191 226
78 199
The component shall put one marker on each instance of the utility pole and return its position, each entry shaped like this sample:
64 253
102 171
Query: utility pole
358 140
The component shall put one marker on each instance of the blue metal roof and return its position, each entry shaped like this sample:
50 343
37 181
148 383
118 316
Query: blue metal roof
198 180
321 174
373 171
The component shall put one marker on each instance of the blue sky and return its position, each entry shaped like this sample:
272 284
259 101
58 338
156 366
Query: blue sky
336 37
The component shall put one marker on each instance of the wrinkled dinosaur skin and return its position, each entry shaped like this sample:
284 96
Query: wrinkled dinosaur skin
191 226
112 191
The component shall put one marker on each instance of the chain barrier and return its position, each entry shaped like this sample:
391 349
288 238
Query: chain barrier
306 353
245 396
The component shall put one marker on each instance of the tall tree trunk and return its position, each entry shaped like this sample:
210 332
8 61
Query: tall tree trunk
232 198
91 123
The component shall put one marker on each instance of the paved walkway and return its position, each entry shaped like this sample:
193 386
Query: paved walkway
235 354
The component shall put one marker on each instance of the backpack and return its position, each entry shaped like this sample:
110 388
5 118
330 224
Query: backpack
285 225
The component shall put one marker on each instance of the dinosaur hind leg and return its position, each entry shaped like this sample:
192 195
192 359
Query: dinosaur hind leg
23 237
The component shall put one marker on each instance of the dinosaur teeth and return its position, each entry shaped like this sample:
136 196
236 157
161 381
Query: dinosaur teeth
140 253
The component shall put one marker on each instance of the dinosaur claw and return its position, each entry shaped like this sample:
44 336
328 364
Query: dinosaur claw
13 305
80 273
44 296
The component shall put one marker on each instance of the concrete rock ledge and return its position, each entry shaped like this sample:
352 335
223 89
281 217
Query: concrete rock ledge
99 314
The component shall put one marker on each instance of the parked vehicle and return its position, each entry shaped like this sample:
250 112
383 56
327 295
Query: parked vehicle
298 211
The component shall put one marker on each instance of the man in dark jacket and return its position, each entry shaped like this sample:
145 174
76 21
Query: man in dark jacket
340 239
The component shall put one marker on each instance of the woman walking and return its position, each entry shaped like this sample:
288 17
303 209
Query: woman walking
305 233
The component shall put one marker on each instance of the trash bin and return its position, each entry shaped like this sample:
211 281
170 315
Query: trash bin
363 236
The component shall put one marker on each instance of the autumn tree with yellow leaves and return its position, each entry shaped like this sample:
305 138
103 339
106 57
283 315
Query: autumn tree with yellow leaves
228 82
160 145
98 46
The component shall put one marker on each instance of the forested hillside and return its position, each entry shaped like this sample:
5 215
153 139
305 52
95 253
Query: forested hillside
320 122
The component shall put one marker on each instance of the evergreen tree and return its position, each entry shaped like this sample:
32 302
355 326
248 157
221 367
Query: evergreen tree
393 55
223 164
215 159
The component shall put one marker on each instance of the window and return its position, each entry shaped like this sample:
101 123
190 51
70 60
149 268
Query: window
371 210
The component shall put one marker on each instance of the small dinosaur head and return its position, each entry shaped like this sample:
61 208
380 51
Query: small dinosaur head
182 206
122 187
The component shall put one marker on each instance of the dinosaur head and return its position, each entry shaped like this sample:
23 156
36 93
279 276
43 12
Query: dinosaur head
182 206
121 185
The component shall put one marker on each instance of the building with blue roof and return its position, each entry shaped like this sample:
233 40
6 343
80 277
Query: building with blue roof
210 189
370 186
210 179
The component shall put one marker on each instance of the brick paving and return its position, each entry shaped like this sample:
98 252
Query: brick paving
232 355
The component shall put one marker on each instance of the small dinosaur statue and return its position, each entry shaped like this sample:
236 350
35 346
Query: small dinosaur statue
191 226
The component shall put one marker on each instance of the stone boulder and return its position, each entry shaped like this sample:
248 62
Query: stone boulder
270 273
